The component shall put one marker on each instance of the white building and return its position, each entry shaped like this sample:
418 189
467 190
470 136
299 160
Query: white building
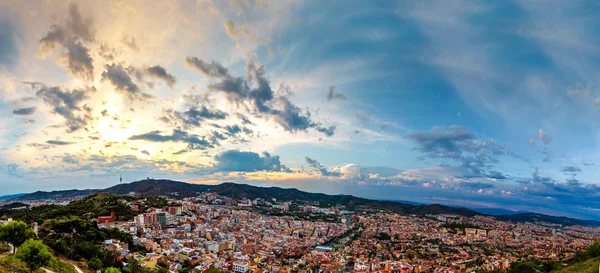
241 266
212 247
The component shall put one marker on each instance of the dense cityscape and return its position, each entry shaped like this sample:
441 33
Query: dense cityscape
215 232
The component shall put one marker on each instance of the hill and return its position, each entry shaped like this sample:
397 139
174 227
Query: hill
589 266
88 207
497 211
15 205
152 187
11 196
56 195
539 218
234 190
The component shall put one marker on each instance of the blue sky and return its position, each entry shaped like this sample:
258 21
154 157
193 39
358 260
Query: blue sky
467 103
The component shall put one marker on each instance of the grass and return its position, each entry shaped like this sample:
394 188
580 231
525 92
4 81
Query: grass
589 266
58 265
10 264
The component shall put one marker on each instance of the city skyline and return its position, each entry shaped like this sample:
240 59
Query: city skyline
461 103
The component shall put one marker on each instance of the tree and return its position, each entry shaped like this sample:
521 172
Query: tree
16 233
112 270
134 266
94 263
161 270
34 253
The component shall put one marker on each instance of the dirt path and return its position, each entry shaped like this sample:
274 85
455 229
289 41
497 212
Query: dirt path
2 255
77 269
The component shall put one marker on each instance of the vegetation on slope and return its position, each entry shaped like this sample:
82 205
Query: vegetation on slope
589 266
88 208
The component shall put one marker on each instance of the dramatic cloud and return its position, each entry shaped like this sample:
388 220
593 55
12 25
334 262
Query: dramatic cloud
238 161
119 77
70 35
192 117
442 143
161 73
457 144
194 142
255 90
24 111
67 104
318 167
332 95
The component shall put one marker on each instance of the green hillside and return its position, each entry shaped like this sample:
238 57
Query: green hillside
589 266
88 208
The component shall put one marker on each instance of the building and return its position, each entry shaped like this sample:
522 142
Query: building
241 266
107 219
174 210
212 246
161 217
324 248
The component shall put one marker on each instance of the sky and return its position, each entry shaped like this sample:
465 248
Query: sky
491 104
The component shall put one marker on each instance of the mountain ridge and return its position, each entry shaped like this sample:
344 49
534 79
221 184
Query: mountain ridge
166 187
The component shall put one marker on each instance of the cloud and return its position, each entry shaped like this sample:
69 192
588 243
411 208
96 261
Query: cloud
234 30
58 142
332 95
442 143
496 175
119 77
210 70
14 170
542 137
457 144
161 73
108 53
328 131
256 92
77 61
129 42
234 160
24 111
570 169
235 129
194 142
70 35
318 167
475 185
192 117
67 104
8 42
